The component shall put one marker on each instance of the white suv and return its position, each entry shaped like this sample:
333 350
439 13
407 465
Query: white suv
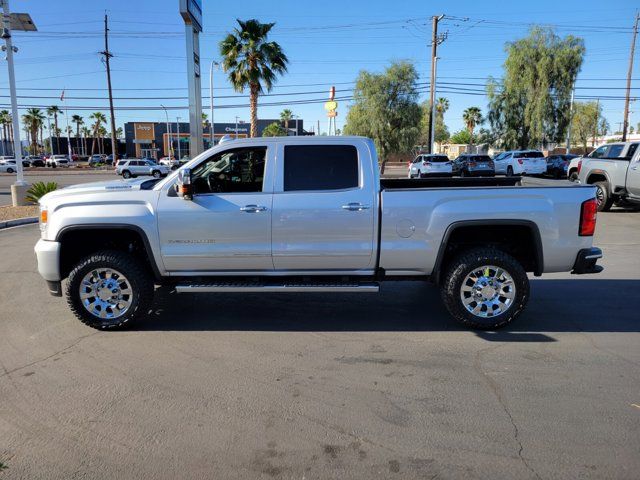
520 162
58 161
133 168
430 165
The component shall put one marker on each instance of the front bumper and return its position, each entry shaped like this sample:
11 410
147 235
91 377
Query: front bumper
586 261
48 255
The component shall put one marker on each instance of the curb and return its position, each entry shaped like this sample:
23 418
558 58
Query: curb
18 222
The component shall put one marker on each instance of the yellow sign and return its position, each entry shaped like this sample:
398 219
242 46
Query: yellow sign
331 105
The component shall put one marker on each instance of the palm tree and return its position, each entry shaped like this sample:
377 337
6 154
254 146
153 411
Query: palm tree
252 61
472 117
442 105
33 121
285 116
78 120
119 133
53 111
99 117
86 131
5 121
205 122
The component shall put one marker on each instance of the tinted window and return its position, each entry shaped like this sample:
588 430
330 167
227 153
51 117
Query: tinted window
231 171
615 151
320 167
438 158
598 152
481 158
632 149
531 155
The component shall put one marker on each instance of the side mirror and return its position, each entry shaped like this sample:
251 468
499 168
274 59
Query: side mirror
185 188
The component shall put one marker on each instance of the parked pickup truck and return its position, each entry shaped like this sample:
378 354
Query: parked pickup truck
614 169
308 214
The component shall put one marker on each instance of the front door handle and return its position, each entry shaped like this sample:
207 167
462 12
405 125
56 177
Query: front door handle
355 207
253 208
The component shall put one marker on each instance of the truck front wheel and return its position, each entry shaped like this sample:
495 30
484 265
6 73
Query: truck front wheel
485 288
109 290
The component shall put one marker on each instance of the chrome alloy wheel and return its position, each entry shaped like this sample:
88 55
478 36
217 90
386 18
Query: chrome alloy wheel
488 291
600 195
106 293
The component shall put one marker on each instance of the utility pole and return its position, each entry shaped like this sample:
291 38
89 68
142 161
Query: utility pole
178 129
595 125
625 125
435 41
107 56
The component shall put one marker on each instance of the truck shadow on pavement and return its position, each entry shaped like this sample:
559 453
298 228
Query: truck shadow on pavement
566 305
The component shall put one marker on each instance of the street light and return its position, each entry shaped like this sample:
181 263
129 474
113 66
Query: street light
216 64
168 130
20 22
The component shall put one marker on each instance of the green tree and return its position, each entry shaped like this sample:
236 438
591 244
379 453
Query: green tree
77 119
286 115
385 108
274 130
441 131
529 107
461 137
585 121
442 105
99 118
252 61
33 120
53 111
472 117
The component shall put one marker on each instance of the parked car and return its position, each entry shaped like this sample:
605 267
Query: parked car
558 165
308 214
12 161
520 162
135 168
36 160
473 165
614 169
170 162
430 165
109 159
7 168
96 159
58 161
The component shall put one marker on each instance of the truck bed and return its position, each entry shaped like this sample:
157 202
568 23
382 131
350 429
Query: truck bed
448 182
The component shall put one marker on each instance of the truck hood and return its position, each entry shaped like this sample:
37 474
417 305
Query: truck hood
100 187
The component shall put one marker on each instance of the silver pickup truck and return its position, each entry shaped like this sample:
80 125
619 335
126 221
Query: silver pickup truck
308 214
614 169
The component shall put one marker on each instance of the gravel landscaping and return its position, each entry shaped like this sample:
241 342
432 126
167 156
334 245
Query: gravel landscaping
11 213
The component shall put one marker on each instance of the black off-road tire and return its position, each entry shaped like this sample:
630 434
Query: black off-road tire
465 263
606 201
139 277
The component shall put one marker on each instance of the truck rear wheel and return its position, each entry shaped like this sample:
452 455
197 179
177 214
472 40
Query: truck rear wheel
109 290
485 288
603 196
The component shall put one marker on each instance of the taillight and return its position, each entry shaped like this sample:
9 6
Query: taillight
520 161
588 213
472 164
579 166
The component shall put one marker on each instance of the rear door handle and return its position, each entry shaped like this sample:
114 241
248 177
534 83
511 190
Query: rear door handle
253 208
355 207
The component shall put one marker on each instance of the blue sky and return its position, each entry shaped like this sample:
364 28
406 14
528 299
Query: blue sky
328 43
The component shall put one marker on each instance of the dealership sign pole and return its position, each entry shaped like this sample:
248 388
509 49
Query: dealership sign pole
191 11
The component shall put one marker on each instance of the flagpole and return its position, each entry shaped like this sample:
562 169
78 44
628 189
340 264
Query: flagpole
66 114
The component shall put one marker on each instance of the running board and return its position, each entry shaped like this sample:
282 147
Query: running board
370 287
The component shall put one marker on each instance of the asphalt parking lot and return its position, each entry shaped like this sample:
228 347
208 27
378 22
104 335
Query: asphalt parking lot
317 386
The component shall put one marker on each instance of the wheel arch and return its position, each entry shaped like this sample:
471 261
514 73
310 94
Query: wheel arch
120 233
525 229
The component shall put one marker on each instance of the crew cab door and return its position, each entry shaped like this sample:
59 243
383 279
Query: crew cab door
633 173
324 207
227 225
